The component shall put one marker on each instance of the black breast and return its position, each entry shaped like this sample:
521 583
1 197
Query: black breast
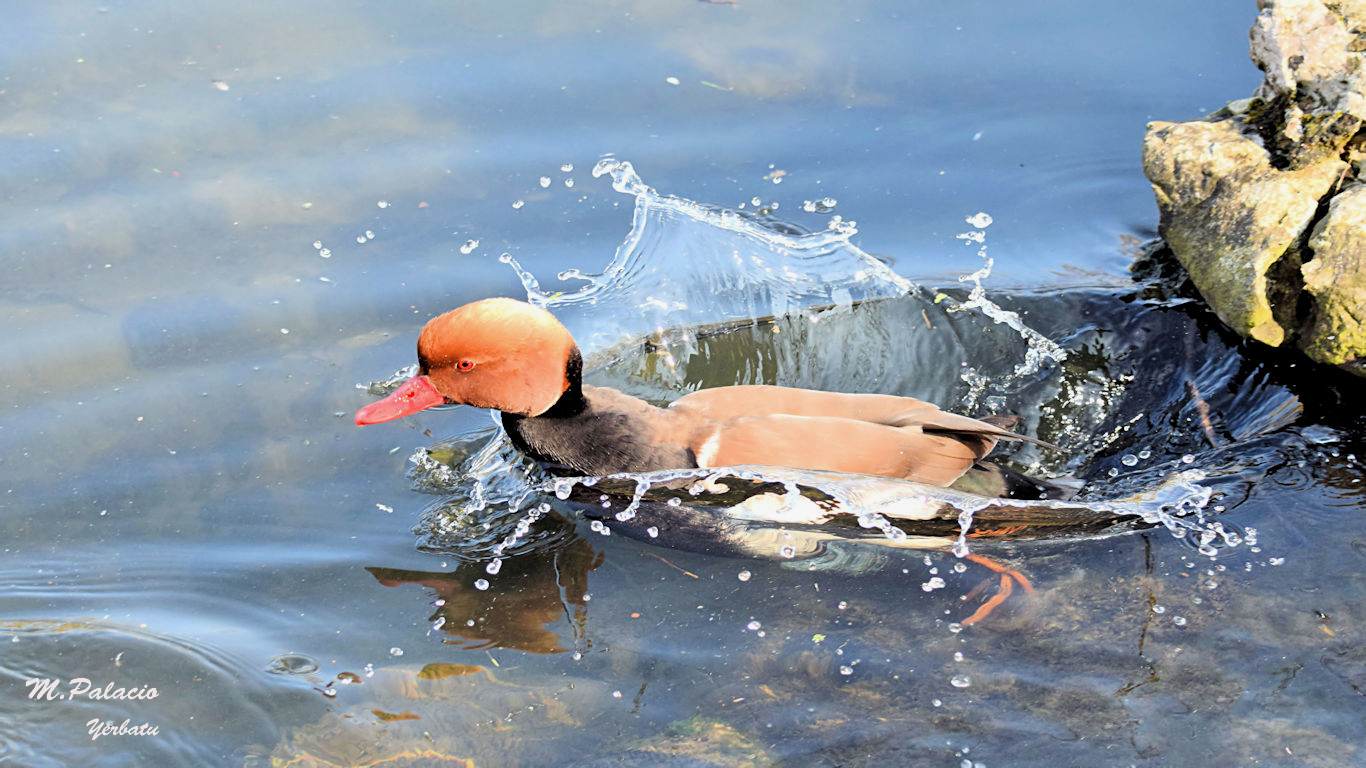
597 440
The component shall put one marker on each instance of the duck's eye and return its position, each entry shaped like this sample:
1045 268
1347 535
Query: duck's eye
465 365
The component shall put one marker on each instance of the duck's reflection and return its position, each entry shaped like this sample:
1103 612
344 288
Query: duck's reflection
529 593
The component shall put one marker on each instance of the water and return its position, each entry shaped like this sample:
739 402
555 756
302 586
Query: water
216 224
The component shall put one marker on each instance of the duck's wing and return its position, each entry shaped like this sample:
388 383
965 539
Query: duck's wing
724 403
839 445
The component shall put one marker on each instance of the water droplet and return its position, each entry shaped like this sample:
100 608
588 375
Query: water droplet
383 203
481 584
569 183
652 531
753 626
1187 459
292 664
317 245
1129 460
469 247
493 567
517 204
842 605
1145 453
788 551
326 253
846 670
1179 621
567 167
933 584
936 703
674 502
1113 472
824 205
545 182
1276 560
957 655
616 694
396 651
960 681
360 239
743 576
979 220
1159 609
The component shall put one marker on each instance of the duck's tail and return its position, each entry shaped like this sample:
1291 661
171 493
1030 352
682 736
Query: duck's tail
993 480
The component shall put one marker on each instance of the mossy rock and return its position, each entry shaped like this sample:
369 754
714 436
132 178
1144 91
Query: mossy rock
1230 217
1335 278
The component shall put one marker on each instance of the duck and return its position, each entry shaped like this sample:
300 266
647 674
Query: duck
519 359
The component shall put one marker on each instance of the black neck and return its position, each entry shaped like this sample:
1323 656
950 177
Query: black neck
572 402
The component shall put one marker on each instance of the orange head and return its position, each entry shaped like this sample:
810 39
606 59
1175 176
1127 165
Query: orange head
494 353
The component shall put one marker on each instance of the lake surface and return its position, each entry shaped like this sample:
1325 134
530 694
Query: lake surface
218 221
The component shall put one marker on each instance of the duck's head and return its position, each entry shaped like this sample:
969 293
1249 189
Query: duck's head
494 353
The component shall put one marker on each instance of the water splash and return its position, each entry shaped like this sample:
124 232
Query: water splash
1040 351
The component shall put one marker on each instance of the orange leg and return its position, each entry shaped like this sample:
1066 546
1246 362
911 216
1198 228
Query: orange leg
1008 578
1003 531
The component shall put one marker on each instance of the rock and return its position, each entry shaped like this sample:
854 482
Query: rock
1240 191
1229 217
1336 279
1314 88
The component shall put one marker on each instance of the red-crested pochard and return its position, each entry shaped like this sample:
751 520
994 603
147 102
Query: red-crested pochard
509 355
